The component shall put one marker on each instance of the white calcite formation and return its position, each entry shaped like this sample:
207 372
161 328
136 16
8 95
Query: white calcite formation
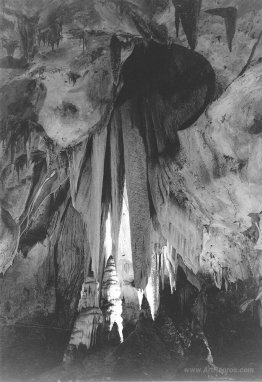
111 302
89 317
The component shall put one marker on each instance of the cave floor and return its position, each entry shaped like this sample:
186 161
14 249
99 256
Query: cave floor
143 356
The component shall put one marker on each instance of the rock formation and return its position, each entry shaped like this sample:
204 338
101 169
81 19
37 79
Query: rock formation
130 177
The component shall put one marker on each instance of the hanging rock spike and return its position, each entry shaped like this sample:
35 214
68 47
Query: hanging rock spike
95 208
137 192
115 56
117 179
188 12
229 14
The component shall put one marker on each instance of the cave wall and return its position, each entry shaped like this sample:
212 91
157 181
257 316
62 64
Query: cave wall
122 100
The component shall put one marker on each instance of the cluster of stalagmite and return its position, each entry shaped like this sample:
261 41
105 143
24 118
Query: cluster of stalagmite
89 317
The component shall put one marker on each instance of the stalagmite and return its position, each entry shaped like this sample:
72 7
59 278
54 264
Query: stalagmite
89 318
117 179
137 191
111 303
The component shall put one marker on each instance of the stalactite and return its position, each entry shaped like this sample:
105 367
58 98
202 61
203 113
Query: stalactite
152 291
137 191
27 27
111 303
171 261
188 12
229 14
108 238
140 295
162 270
95 207
105 225
115 55
75 158
117 179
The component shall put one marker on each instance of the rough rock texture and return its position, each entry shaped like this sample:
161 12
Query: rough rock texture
104 93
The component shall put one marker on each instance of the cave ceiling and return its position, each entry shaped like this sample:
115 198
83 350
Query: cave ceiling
99 96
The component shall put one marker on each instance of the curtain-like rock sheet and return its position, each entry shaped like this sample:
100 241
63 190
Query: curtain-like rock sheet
137 191
117 179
